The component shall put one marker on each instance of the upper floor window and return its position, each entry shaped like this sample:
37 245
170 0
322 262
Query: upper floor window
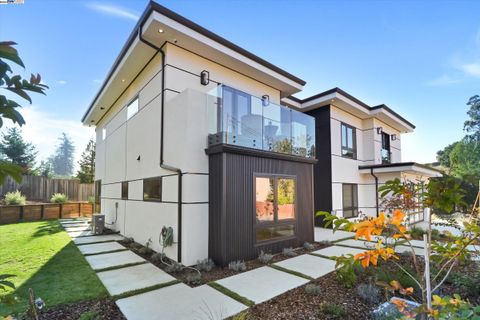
386 154
132 108
349 141
104 133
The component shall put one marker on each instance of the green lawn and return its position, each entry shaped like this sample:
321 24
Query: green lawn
43 257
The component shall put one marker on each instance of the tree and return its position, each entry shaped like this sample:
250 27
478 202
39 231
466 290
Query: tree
45 169
443 156
472 126
465 159
8 108
17 151
62 160
86 173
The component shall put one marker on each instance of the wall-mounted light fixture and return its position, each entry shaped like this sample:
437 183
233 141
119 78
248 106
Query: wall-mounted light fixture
379 130
138 158
394 137
265 100
204 77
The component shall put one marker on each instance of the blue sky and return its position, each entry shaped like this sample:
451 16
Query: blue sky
421 58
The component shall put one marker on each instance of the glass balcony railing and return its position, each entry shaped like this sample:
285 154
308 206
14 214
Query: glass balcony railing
386 156
238 118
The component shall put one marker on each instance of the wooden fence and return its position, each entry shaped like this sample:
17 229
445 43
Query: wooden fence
41 188
45 211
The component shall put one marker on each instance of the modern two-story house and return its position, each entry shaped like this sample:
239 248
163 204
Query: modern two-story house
358 150
200 135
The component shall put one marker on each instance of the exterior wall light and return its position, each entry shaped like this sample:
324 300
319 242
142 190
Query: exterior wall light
394 137
205 77
379 130
138 158
265 100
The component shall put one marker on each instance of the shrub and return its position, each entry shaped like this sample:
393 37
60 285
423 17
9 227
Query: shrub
91 199
145 250
174 267
416 232
387 275
265 257
15 199
368 293
128 240
308 246
325 243
193 278
59 198
205 265
345 272
289 252
333 309
157 257
313 289
237 266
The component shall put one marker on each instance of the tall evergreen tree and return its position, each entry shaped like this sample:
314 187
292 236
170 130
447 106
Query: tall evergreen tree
45 169
62 159
87 164
16 150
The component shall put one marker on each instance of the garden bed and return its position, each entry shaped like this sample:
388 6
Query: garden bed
217 272
104 309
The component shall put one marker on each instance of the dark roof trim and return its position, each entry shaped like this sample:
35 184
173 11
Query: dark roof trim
398 164
153 6
349 96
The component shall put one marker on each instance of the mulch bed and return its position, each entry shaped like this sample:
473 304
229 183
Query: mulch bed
104 309
216 273
297 304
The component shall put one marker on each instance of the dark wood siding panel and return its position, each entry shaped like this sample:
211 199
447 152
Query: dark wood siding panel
323 169
238 203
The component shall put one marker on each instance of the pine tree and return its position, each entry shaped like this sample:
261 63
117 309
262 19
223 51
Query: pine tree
62 160
87 164
45 169
16 150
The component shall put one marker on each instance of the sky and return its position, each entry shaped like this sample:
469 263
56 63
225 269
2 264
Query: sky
421 58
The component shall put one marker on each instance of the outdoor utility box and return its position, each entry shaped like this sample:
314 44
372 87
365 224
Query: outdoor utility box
98 223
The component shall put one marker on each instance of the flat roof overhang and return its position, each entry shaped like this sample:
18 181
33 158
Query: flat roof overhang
407 167
186 34
354 106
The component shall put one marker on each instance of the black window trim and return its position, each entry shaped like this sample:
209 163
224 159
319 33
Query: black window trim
160 191
275 222
353 208
354 142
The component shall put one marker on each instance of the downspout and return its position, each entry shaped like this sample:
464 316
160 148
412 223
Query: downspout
162 162
376 190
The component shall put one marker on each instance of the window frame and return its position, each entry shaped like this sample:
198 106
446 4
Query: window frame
276 222
136 98
354 206
123 186
386 145
159 199
343 148
98 196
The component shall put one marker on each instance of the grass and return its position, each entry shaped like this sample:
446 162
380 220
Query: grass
143 290
231 294
43 257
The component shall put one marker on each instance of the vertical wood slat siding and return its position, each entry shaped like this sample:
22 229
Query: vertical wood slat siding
232 205
322 171
41 188
33 212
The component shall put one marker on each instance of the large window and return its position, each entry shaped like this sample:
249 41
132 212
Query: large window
349 141
350 200
152 189
274 207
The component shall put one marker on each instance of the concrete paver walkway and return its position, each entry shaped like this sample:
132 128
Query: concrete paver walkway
141 276
312 266
101 247
325 234
98 238
337 251
180 302
115 259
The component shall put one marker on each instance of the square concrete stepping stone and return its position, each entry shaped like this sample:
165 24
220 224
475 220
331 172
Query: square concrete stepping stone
404 249
74 224
76 234
262 284
180 302
325 234
99 238
309 265
337 251
133 278
100 247
79 228
357 243
114 259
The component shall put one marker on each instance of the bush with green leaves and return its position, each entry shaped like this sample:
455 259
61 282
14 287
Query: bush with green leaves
333 309
59 198
313 289
15 199
265 257
368 293
289 252
237 266
345 270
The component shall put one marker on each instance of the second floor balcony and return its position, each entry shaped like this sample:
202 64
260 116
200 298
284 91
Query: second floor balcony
248 121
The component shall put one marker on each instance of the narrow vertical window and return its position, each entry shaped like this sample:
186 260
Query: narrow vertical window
98 196
104 133
125 190
349 141
132 108
386 154
350 200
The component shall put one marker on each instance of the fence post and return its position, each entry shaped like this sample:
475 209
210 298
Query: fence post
21 213
80 210
61 211
42 211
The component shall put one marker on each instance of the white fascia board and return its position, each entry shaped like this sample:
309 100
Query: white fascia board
405 125
217 46
407 168
292 103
